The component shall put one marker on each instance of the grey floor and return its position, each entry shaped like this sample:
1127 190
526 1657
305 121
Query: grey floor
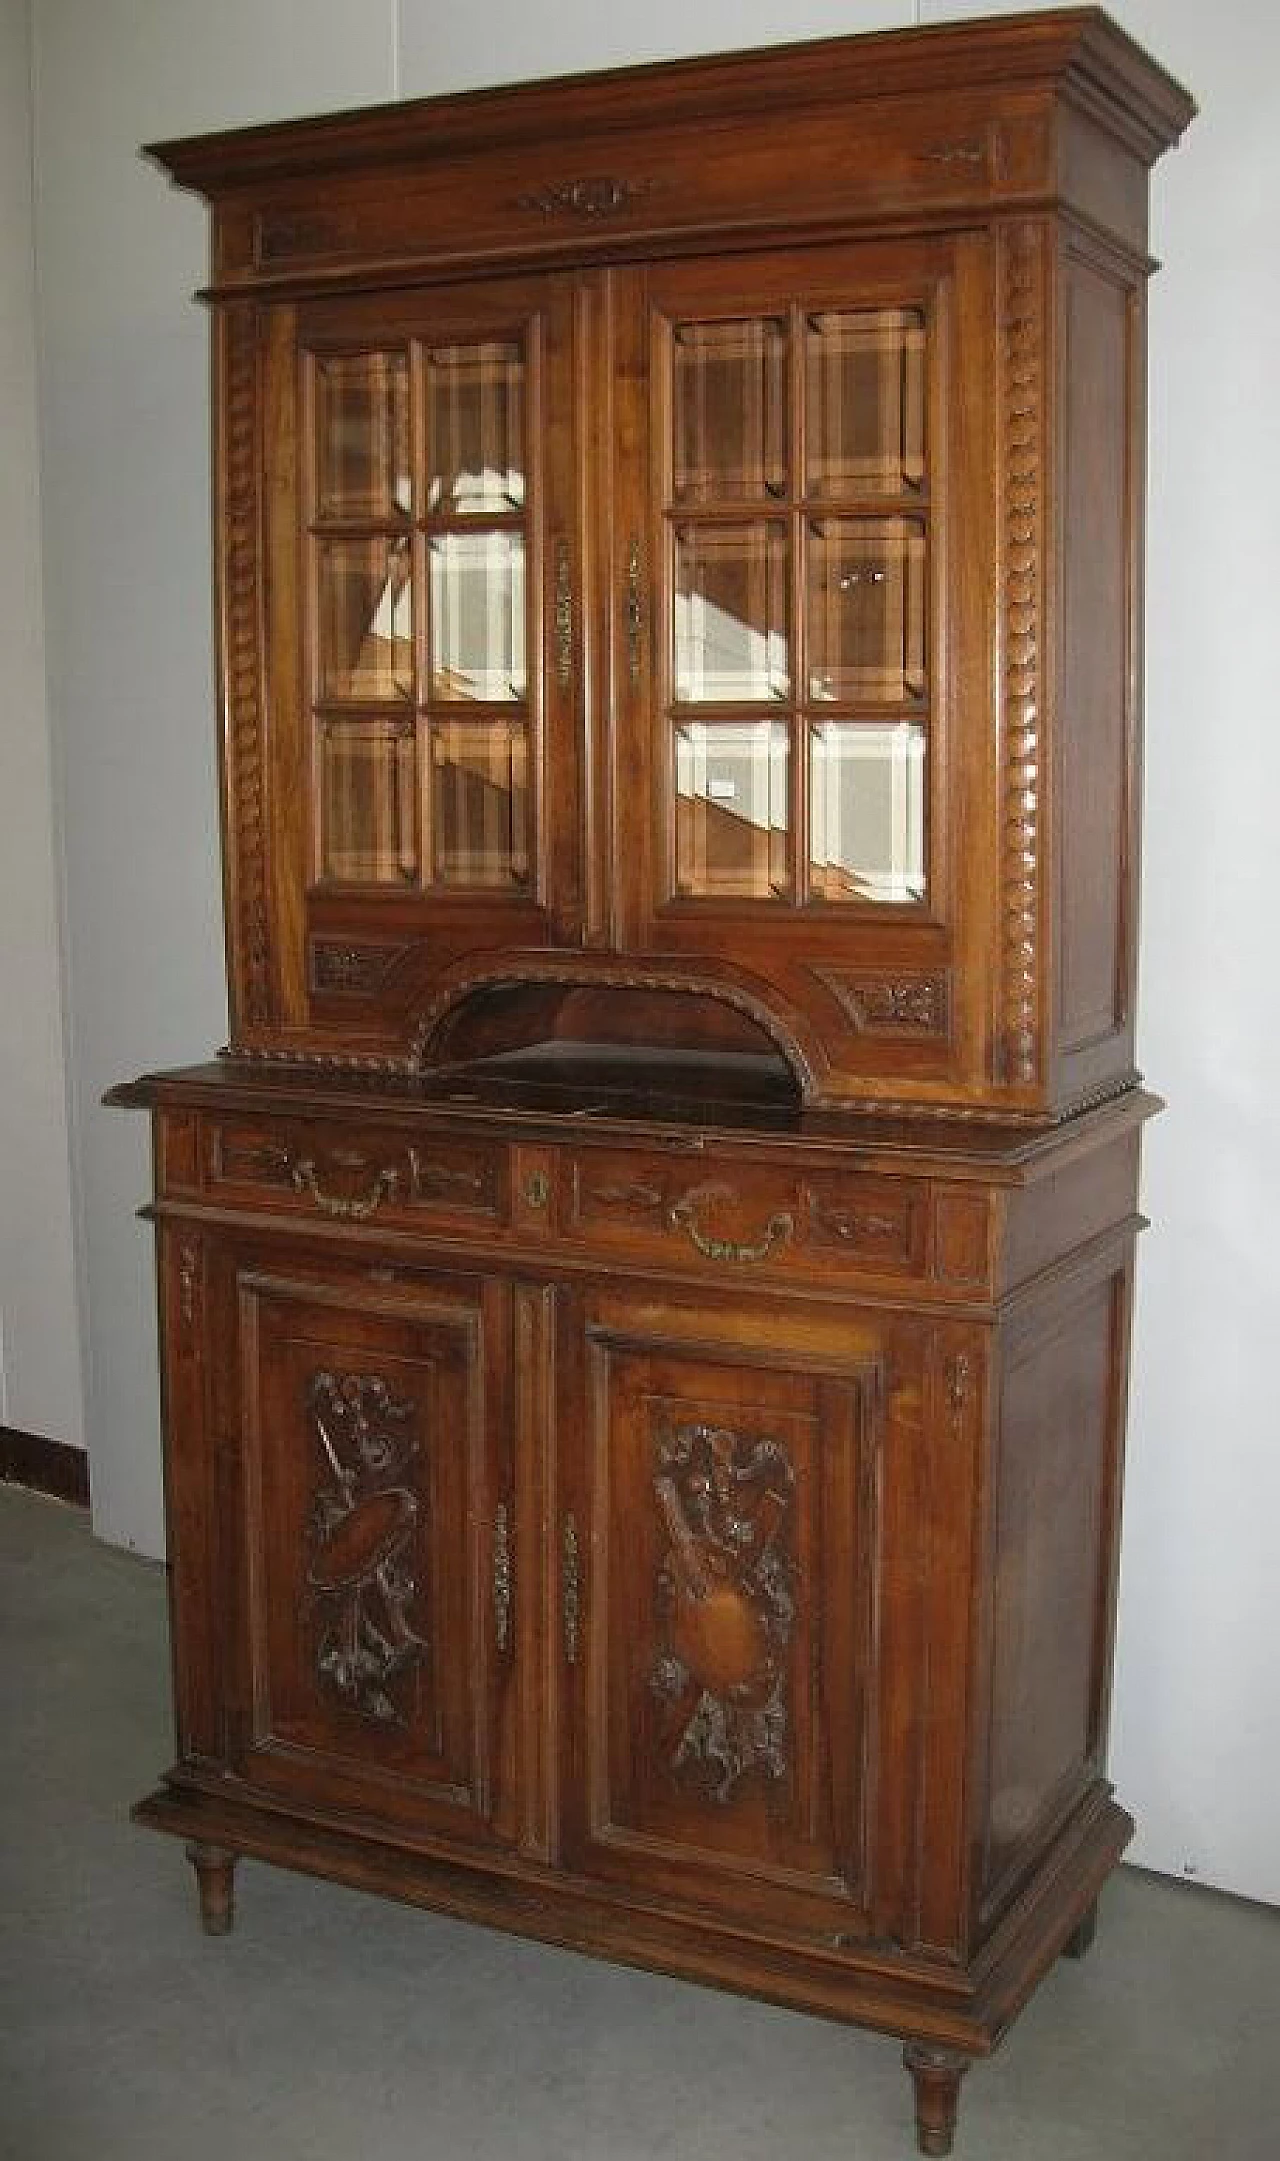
335 2027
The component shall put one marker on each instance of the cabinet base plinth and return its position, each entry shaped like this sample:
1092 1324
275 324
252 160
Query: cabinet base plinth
946 2015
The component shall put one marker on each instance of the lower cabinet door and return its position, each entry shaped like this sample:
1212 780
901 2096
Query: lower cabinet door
719 1562
377 1651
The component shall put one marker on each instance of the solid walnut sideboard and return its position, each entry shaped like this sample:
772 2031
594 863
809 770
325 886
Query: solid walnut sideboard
645 1293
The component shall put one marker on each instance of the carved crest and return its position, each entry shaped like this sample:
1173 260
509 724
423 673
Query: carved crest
360 1571
726 1601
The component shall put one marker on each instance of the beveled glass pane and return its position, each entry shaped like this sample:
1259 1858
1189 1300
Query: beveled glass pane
865 384
362 435
732 817
866 811
366 619
731 614
475 428
866 582
368 794
477 616
480 802
730 410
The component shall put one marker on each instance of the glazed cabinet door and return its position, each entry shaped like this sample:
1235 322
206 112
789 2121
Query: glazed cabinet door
402 784
370 1667
805 680
720 1557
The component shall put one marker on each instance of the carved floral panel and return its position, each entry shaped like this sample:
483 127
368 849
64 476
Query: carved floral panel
363 1593
726 1604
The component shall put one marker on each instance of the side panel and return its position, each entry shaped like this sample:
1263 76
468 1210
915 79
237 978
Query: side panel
1100 314
1054 1502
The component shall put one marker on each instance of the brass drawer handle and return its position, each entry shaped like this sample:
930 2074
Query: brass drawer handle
778 1229
537 1189
564 615
635 610
349 1208
570 1589
501 1578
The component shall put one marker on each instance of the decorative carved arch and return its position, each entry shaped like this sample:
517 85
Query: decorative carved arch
790 1034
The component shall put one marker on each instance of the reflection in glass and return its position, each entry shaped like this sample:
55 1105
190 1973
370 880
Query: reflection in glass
477 616
366 628
475 428
731 613
480 802
367 793
866 811
866 583
864 375
731 808
730 410
362 435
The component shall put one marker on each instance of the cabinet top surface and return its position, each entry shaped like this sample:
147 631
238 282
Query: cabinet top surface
1079 52
682 1101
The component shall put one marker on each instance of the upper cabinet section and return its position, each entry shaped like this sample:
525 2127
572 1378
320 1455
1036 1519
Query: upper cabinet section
678 536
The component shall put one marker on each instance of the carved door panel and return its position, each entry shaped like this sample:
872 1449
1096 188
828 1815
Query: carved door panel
719 1562
377 1644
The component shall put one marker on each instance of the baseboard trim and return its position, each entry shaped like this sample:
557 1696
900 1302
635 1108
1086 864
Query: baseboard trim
31 1459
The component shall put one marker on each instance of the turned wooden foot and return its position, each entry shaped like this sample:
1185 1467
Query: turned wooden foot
215 1874
1080 1941
936 2074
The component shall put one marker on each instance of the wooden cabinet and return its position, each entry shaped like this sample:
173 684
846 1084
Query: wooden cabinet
645 1292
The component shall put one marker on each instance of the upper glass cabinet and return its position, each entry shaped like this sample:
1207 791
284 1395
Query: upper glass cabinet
797 532
419 509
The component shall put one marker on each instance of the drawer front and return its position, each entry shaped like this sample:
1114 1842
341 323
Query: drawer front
338 1173
747 1217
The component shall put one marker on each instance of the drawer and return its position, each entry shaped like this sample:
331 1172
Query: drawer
337 1172
747 1217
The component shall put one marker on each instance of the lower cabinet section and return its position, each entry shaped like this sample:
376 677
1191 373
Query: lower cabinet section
760 1639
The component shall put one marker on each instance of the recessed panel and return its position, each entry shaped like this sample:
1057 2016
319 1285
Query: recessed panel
475 429
866 609
362 436
480 803
866 811
865 384
365 608
368 792
478 617
732 816
731 644
730 410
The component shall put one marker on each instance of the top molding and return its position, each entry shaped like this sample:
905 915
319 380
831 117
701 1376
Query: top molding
1076 54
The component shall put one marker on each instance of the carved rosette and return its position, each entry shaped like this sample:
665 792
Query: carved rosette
242 648
890 1005
1022 287
361 1585
356 970
725 1598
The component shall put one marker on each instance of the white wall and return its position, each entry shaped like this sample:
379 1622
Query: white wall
124 429
1196 1730
1197 1750
40 1385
